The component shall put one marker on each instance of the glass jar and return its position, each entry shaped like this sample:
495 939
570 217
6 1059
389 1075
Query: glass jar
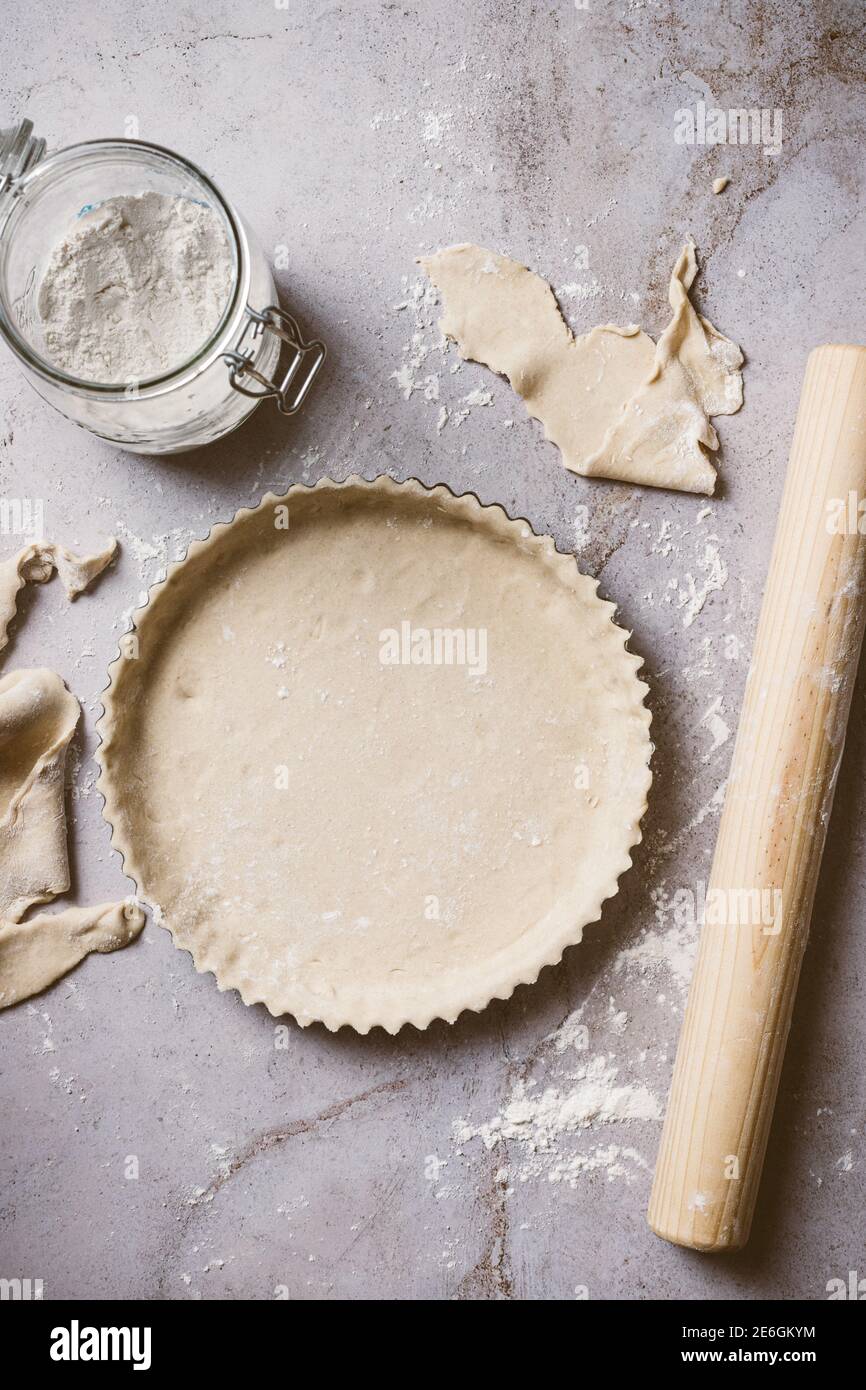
217 388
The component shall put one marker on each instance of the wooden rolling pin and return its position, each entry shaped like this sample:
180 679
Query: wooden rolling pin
774 823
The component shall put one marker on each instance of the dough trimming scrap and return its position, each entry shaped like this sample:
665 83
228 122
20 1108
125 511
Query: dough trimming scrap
38 718
616 404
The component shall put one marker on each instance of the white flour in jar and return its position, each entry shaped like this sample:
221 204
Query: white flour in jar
134 289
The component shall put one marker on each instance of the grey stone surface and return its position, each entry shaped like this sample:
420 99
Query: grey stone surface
359 136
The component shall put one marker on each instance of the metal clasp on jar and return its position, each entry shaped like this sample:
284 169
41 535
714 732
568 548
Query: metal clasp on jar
20 149
305 360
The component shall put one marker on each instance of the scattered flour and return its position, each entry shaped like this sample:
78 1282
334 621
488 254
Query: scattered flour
537 1122
292 1206
694 593
671 946
712 807
425 348
147 554
582 293
434 1167
718 729
479 398
673 541
155 555
572 1035
674 949
436 125
550 1128
380 118
430 207
420 300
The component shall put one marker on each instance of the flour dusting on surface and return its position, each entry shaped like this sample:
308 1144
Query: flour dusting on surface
694 592
716 726
563 1123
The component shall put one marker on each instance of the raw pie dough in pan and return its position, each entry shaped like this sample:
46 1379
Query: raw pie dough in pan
376 753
